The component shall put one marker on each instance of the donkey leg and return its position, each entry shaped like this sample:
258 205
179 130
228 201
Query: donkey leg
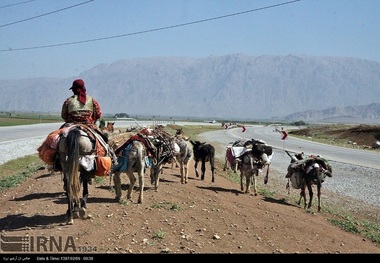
299 200
212 171
141 186
266 175
76 206
182 170
69 212
117 183
241 181
72 208
65 185
302 196
225 167
132 181
186 167
203 169
236 165
309 187
247 183
83 202
85 182
319 196
196 168
155 172
254 182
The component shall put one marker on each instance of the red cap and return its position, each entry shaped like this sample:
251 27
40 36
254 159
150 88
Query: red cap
78 83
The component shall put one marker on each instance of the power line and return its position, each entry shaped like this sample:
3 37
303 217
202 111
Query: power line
56 11
4 6
150 30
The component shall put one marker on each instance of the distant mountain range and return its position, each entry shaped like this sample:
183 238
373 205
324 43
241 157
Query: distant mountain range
236 86
367 114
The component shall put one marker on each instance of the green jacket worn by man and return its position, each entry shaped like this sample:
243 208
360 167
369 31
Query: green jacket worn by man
80 107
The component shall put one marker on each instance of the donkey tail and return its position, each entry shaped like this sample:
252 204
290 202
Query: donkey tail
73 164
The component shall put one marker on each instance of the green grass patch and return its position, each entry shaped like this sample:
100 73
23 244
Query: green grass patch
159 234
167 205
348 225
370 230
13 119
124 201
191 130
16 171
266 192
27 120
100 179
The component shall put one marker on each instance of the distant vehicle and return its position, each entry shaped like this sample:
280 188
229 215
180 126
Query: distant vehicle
125 119
211 121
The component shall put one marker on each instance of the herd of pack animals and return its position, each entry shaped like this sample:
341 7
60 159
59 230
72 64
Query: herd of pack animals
82 156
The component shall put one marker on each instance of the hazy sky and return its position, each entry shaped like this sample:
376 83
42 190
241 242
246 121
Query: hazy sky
37 37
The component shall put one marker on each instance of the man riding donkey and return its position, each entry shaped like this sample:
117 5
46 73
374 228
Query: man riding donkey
82 111
81 108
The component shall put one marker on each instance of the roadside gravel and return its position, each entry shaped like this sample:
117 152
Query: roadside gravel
355 183
19 148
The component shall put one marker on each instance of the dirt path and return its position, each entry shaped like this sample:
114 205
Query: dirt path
199 217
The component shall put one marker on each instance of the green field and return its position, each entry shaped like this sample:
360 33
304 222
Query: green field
13 119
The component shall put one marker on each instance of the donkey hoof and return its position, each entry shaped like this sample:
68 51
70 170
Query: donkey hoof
83 213
76 215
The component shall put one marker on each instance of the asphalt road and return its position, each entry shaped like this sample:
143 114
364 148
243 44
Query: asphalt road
22 140
42 130
340 154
